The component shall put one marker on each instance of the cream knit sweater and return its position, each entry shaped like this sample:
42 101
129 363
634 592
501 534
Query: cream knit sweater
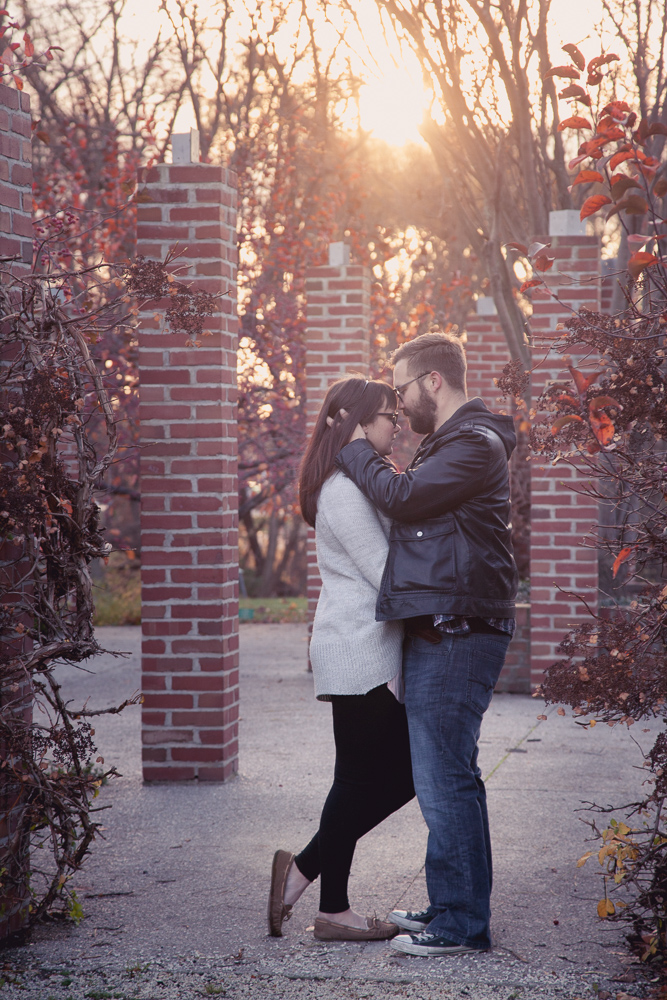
350 652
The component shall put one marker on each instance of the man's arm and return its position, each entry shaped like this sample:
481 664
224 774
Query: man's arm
443 481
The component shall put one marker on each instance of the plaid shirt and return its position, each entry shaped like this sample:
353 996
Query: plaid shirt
458 624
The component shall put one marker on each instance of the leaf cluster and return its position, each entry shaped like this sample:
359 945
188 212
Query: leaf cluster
608 421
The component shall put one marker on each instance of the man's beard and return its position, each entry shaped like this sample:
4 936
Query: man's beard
421 416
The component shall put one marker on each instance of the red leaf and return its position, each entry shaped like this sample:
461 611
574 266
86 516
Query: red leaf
18 81
593 205
536 248
543 262
617 109
582 381
533 283
587 177
521 247
634 204
602 426
593 79
575 55
576 161
28 47
562 421
599 401
639 261
620 184
567 71
620 559
612 133
576 92
593 147
621 158
576 122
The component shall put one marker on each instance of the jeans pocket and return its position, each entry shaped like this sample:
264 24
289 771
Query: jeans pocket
487 656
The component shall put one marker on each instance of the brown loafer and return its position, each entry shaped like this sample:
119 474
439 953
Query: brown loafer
376 930
278 911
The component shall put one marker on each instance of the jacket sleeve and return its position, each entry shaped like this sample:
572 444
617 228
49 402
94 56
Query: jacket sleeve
356 527
443 481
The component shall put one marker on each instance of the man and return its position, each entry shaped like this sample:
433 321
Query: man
450 574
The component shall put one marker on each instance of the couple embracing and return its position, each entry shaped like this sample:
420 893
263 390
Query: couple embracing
410 635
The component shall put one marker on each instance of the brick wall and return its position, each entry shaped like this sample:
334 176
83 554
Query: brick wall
338 317
15 175
189 551
515 675
560 517
486 352
15 693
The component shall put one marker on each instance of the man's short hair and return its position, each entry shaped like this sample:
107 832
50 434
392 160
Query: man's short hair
435 352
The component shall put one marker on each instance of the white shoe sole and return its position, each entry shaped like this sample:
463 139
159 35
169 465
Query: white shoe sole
404 944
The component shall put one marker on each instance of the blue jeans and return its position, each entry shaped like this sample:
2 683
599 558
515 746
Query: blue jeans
448 688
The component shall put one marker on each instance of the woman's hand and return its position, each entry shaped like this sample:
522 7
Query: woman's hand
358 432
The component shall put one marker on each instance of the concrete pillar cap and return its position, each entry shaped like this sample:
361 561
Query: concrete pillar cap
339 254
486 306
566 222
185 147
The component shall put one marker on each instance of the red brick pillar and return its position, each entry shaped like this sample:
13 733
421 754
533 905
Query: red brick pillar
189 549
16 232
561 517
16 236
487 352
338 321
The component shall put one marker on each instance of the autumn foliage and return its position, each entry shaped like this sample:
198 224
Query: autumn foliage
609 420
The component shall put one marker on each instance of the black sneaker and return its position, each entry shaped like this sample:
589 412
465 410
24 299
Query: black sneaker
428 944
410 920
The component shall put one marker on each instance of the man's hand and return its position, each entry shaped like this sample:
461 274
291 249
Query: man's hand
358 432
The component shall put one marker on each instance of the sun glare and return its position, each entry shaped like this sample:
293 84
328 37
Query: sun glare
392 108
392 100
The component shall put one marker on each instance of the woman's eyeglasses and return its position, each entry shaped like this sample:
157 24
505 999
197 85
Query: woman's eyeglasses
392 416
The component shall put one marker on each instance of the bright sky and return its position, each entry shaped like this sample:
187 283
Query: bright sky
393 99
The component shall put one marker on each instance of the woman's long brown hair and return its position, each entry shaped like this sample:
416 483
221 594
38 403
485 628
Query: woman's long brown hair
362 399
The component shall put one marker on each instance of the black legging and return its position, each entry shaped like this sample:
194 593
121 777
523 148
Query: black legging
372 779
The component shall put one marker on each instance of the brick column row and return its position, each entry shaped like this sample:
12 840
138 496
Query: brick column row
189 551
561 517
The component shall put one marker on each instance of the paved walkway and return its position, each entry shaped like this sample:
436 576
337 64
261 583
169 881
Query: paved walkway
175 897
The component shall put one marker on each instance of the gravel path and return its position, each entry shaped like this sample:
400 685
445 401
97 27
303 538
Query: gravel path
175 896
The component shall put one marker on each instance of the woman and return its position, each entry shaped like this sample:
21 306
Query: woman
354 660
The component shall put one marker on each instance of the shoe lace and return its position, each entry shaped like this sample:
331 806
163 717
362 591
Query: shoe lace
423 937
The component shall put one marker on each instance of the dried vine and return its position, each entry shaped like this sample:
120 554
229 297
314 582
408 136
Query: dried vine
53 404
609 422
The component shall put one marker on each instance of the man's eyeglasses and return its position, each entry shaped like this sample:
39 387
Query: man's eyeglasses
398 389
392 416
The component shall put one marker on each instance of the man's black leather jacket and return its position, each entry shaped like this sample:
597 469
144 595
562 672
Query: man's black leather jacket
449 549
